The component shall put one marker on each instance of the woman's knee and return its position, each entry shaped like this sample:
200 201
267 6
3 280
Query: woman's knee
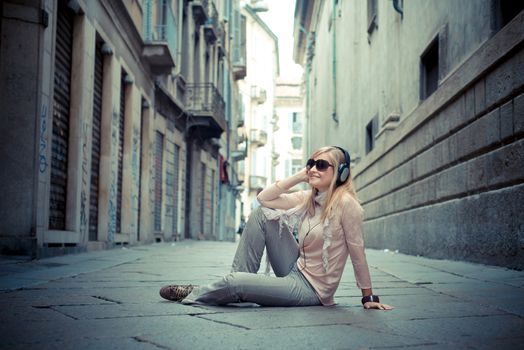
257 218
257 213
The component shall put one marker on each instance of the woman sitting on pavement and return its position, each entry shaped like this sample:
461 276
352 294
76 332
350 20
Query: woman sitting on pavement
329 222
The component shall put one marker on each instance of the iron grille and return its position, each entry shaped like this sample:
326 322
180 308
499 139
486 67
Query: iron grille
121 123
60 137
95 147
159 152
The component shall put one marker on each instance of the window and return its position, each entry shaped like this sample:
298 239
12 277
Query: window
296 123
506 11
372 15
371 132
296 166
429 70
296 143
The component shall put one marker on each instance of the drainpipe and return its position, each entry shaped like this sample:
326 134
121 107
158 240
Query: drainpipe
180 33
334 63
306 115
397 8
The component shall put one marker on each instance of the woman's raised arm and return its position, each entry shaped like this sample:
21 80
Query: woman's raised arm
274 196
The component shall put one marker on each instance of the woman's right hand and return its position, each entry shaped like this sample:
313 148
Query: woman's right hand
303 175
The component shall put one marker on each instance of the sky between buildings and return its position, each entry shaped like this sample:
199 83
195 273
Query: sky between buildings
280 18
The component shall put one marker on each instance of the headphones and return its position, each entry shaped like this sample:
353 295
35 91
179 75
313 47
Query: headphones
343 168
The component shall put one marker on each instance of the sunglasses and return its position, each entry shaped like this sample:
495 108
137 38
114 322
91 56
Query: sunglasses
320 164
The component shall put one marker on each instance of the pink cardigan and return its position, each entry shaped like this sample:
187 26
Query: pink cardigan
325 249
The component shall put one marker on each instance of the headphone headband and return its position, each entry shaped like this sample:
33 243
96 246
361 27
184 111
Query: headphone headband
347 158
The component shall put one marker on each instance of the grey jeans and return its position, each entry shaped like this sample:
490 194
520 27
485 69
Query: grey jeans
243 284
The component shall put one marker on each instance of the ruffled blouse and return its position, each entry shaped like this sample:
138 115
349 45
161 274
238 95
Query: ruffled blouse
324 246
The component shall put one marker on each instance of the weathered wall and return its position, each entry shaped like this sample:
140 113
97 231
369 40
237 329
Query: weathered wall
448 184
446 180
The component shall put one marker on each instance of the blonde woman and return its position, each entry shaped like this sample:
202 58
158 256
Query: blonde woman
328 218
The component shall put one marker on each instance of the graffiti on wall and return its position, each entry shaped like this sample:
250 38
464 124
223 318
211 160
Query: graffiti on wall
135 173
85 181
43 140
151 182
111 224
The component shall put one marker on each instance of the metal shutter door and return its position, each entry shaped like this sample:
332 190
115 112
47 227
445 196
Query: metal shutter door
176 162
159 149
212 212
95 148
62 89
139 214
202 198
120 153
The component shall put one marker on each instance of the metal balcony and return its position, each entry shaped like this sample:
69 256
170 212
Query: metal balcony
240 153
211 26
240 121
239 69
274 158
240 171
242 138
258 137
205 107
160 43
200 13
257 182
258 94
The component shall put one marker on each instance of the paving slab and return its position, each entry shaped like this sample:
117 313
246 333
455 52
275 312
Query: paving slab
109 300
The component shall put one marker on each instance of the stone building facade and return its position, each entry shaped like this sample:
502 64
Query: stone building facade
427 97
118 123
288 141
257 89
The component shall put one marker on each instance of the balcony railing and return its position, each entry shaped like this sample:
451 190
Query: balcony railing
241 136
205 104
257 182
241 171
160 43
258 94
258 137
239 154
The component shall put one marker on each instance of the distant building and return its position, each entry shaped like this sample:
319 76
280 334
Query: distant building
258 94
427 98
288 129
119 120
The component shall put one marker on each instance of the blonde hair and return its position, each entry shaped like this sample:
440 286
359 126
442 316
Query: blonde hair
334 194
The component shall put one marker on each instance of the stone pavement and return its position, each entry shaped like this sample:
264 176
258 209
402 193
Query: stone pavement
109 300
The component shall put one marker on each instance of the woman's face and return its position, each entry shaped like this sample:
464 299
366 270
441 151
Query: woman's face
321 179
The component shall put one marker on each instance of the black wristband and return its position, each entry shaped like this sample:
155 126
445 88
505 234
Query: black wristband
371 297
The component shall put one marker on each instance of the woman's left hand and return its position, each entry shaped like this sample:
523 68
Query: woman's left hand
379 306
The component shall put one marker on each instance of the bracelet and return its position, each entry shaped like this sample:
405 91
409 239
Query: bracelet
277 186
369 298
